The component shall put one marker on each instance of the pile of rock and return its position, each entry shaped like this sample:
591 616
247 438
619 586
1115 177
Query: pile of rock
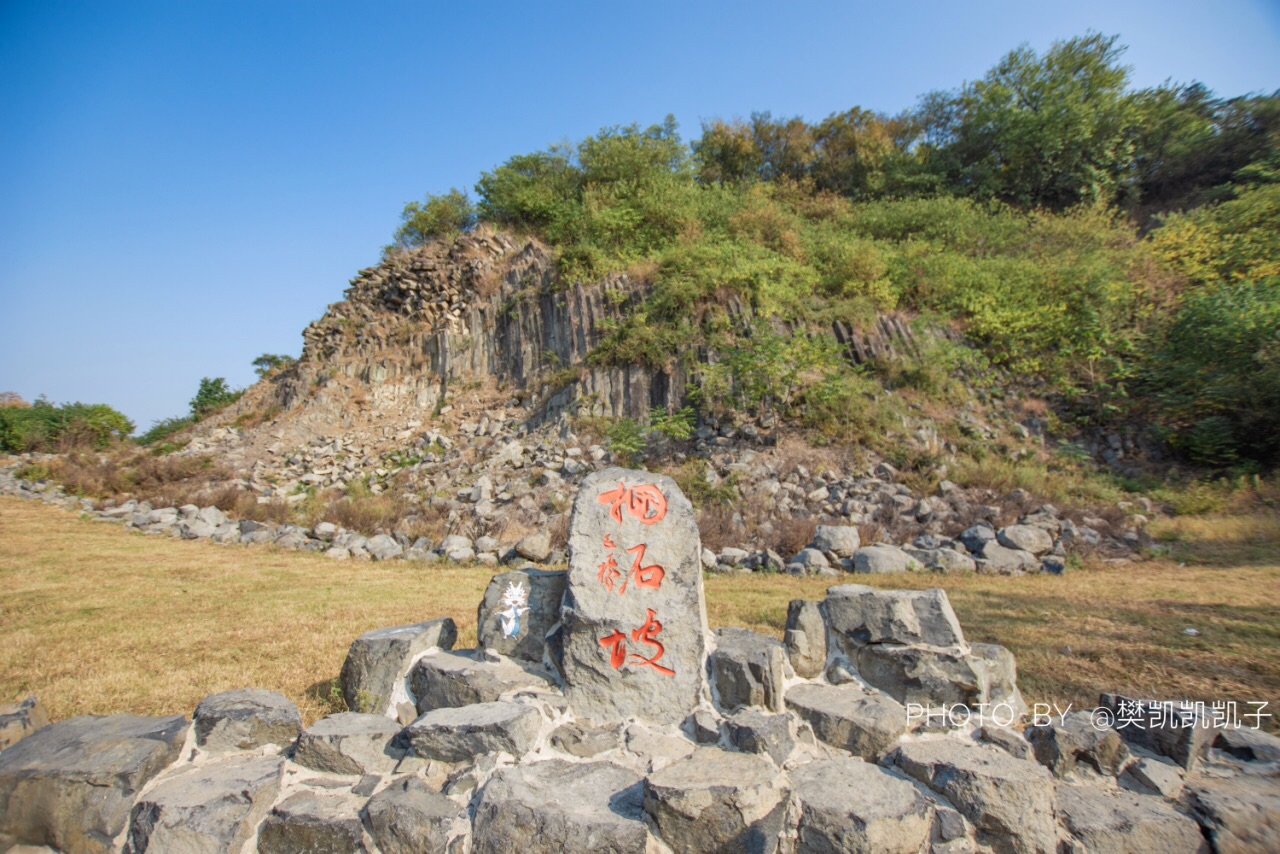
599 713
1038 542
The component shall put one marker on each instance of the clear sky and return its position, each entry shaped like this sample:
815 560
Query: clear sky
185 185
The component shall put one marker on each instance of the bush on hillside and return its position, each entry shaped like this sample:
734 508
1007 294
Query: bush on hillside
42 426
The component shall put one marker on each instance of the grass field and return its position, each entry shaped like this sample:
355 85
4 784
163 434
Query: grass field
97 619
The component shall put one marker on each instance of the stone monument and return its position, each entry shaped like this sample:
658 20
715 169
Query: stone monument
634 618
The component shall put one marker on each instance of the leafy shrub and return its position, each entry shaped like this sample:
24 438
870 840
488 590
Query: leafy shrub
213 394
1216 378
164 428
270 362
46 427
442 216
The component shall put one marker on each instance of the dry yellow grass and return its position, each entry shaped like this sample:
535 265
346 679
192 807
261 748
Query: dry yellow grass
97 619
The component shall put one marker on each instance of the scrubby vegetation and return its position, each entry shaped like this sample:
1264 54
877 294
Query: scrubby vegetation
1116 248
44 426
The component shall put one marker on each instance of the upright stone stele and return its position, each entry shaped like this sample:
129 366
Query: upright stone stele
633 616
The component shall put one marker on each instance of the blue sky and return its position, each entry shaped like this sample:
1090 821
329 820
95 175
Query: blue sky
184 185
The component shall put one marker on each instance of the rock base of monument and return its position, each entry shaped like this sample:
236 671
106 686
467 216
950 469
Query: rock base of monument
874 726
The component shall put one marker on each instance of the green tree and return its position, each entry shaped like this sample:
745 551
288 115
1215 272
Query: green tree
853 152
269 362
213 394
1052 131
438 216
727 153
785 146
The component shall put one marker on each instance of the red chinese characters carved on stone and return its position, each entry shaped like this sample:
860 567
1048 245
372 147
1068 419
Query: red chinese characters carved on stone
645 502
618 648
607 572
646 634
645 576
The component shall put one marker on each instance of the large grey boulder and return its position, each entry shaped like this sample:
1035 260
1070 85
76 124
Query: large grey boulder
847 805
318 822
19 720
882 559
840 540
1248 745
999 560
716 801
745 669
378 661
1000 672
519 609
975 537
756 731
1103 822
558 806
634 617
1027 538
805 638
350 743
1162 727
408 817
1237 814
849 718
206 808
1072 739
71 784
456 735
383 547
245 719
926 675
1010 801
860 615
535 547
453 679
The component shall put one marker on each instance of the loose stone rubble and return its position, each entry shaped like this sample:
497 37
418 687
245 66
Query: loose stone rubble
816 743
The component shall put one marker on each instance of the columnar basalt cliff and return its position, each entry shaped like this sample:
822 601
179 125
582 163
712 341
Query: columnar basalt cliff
486 309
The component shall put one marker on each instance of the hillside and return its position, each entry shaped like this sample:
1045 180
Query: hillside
1040 287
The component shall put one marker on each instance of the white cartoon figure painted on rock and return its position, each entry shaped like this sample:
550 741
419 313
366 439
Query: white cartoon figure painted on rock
515 601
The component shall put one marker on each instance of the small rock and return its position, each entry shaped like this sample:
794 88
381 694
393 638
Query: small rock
756 731
1027 538
849 718
879 559
1010 801
207 808
841 540
350 743
1073 738
535 547
71 784
805 638
407 817
850 805
456 735
1101 821
377 662
453 680
718 801
314 821
595 806
586 741
246 719
746 669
